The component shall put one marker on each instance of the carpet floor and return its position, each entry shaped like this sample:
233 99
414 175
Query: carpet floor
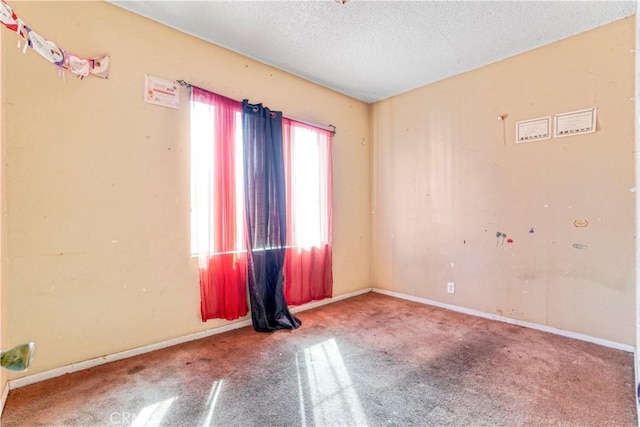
369 360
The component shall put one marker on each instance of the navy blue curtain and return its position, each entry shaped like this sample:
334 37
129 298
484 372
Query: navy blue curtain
265 199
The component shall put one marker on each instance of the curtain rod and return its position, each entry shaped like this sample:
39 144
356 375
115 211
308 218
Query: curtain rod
330 128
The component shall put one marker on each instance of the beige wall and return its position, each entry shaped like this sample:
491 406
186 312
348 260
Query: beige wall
4 377
448 176
98 181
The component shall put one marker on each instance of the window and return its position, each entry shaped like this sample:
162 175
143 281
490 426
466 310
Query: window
216 177
307 173
218 205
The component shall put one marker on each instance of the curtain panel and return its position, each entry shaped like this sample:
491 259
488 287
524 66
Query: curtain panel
308 172
265 210
216 195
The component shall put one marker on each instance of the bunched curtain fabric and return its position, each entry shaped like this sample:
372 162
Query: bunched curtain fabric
308 174
217 202
265 211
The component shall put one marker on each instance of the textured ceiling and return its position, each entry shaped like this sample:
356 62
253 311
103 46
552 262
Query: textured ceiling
372 50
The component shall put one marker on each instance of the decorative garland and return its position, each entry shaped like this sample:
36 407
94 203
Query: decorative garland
79 66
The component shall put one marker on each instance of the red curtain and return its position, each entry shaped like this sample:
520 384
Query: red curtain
223 287
308 174
220 237
308 274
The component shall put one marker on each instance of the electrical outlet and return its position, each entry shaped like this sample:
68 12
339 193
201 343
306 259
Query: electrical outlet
451 287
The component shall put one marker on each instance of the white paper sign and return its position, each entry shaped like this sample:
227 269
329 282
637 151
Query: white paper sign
575 123
161 92
533 130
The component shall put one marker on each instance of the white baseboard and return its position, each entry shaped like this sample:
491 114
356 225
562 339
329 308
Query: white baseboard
74 367
79 366
3 398
545 328
315 304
